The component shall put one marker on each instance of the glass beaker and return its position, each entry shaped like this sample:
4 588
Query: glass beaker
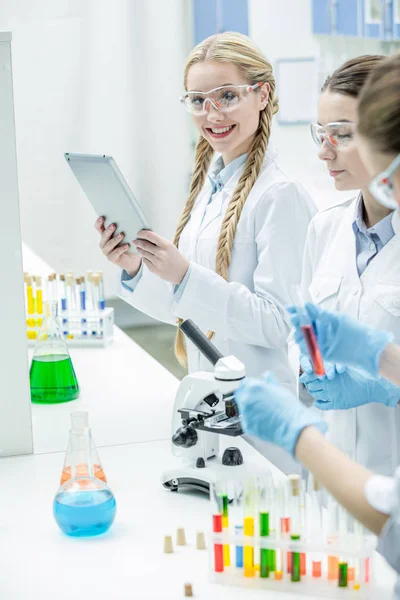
77 453
84 505
52 375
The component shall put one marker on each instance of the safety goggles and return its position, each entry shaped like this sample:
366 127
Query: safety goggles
336 135
224 98
382 188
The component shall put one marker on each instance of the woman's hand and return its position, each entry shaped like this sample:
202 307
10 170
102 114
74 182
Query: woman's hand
118 256
161 256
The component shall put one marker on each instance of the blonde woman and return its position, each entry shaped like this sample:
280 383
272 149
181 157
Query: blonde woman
239 242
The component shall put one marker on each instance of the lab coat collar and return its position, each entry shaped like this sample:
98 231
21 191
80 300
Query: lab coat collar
396 221
214 210
383 229
230 185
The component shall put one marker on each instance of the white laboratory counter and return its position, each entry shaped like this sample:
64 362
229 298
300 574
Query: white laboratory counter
129 397
128 394
39 562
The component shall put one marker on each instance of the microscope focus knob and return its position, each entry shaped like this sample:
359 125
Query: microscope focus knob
185 437
232 457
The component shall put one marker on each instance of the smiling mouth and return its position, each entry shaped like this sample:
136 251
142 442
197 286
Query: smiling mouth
220 132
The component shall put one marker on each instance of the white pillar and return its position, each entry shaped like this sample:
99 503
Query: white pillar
15 406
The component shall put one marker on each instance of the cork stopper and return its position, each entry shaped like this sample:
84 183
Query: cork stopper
62 277
69 279
28 280
188 590
96 279
180 537
294 482
168 547
200 541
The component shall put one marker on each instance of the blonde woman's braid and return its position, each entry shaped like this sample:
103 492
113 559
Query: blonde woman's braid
251 171
204 153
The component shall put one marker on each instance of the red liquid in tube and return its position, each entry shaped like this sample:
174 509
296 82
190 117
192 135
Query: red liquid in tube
313 349
218 548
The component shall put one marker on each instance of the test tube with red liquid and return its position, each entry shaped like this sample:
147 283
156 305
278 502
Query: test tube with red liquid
313 349
308 333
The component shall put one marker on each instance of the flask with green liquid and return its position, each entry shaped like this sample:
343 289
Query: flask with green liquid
52 375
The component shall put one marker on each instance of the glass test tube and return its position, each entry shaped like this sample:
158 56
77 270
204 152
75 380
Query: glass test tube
70 288
29 295
102 302
248 528
315 526
295 516
264 506
217 527
309 334
333 529
89 290
225 526
39 295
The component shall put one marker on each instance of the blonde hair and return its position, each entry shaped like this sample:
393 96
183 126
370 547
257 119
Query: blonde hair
239 50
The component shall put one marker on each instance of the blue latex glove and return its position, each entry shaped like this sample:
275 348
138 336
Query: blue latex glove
342 339
344 388
272 413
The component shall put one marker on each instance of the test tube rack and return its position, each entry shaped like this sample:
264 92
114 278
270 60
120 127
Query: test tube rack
81 329
358 551
269 534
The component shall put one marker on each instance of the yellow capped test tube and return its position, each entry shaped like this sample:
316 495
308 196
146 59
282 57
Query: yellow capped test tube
248 529
39 295
29 295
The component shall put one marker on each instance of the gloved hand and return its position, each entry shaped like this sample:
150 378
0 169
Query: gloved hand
344 388
272 413
342 339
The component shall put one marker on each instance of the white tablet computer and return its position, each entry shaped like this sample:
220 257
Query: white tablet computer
109 193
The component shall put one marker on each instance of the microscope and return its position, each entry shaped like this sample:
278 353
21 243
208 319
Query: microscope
205 409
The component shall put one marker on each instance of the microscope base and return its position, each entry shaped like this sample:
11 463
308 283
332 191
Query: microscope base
191 477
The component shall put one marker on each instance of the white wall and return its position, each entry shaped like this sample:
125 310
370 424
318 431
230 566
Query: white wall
102 77
15 399
283 29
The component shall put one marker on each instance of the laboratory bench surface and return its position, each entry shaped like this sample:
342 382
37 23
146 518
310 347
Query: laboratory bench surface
38 561
129 397
128 394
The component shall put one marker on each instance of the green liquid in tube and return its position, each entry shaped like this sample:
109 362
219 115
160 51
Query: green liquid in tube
264 553
53 379
342 574
296 572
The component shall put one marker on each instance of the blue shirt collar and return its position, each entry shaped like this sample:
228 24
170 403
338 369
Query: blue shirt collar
219 175
383 229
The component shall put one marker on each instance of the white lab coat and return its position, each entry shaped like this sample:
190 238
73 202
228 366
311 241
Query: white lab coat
369 434
247 313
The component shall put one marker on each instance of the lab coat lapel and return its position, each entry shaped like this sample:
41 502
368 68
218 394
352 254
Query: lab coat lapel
191 232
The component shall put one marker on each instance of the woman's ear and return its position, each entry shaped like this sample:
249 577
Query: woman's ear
264 95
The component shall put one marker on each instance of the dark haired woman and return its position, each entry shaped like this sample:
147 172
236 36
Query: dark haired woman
346 268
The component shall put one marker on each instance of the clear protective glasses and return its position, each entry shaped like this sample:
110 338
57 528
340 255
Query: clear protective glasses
382 188
337 135
224 98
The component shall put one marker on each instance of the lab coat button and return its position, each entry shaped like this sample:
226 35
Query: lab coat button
372 247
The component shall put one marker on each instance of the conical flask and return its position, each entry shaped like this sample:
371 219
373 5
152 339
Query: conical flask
84 505
76 456
52 374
